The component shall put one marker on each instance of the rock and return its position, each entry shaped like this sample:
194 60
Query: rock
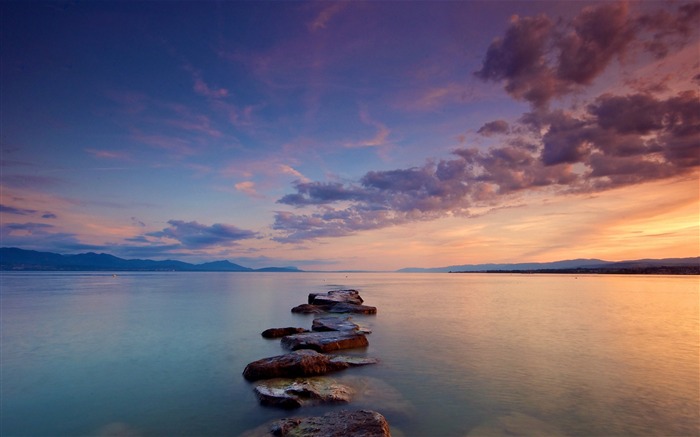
300 363
325 341
341 307
333 324
344 423
294 393
281 332
335 296
308 309
351 308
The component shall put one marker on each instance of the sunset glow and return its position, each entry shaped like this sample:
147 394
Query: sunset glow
352 135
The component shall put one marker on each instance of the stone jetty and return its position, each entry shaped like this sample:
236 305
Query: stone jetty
295 380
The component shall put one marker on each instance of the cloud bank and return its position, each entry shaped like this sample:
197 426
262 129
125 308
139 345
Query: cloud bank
613 141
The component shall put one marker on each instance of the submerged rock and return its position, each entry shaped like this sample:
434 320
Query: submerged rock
345 423
281 332
294 393
326 341
300 363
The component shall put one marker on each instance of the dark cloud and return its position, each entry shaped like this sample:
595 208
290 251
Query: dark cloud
494 128
519 59
618 141
595 37
538 60
49 215
194 235
669 31
17 211
41 236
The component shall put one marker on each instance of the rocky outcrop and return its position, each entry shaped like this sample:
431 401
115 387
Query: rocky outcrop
293 393
281 332
326 341
300 363
292 380
345 423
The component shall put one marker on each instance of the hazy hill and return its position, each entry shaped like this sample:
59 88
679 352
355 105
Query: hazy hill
567 265
12 258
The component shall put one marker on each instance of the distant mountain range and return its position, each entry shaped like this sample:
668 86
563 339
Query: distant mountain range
672 265
12 258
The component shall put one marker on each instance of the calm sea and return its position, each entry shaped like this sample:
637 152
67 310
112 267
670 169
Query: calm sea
161 354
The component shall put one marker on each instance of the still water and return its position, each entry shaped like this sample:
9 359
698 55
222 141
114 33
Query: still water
161 354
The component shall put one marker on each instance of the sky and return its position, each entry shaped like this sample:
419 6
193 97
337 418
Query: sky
334 135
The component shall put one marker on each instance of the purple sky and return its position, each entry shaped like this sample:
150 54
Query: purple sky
351 135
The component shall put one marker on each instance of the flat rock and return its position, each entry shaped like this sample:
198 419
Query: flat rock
334 324
300 363
344 423
326 341
344 307
281 332
294 393
335 296
341 307
306 308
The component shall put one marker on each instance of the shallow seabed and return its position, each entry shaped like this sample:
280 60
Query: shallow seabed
161 354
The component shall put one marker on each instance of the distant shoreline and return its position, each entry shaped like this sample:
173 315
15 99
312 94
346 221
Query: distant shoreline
660 270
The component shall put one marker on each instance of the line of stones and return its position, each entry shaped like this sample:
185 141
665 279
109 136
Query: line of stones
292 380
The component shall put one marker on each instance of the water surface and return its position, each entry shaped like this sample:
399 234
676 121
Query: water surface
161 354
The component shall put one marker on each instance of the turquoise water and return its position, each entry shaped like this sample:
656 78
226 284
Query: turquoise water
161 354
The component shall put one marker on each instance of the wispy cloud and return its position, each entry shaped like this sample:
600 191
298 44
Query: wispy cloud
193 235
381 137
330 10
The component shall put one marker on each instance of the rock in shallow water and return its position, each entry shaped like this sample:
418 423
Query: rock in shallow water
345 423
333 324
281 332
294 393
300 363
335 296
327 341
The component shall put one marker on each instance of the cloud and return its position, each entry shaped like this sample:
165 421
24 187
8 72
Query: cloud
248 187
494 128
109 154
379 139
618 141
330 10
539 59
17 211
41 236
194 235
49 215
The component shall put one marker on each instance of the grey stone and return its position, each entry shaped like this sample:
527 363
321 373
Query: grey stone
281 332
294 393
300 363
325 341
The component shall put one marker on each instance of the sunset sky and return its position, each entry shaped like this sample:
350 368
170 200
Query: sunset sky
351 135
